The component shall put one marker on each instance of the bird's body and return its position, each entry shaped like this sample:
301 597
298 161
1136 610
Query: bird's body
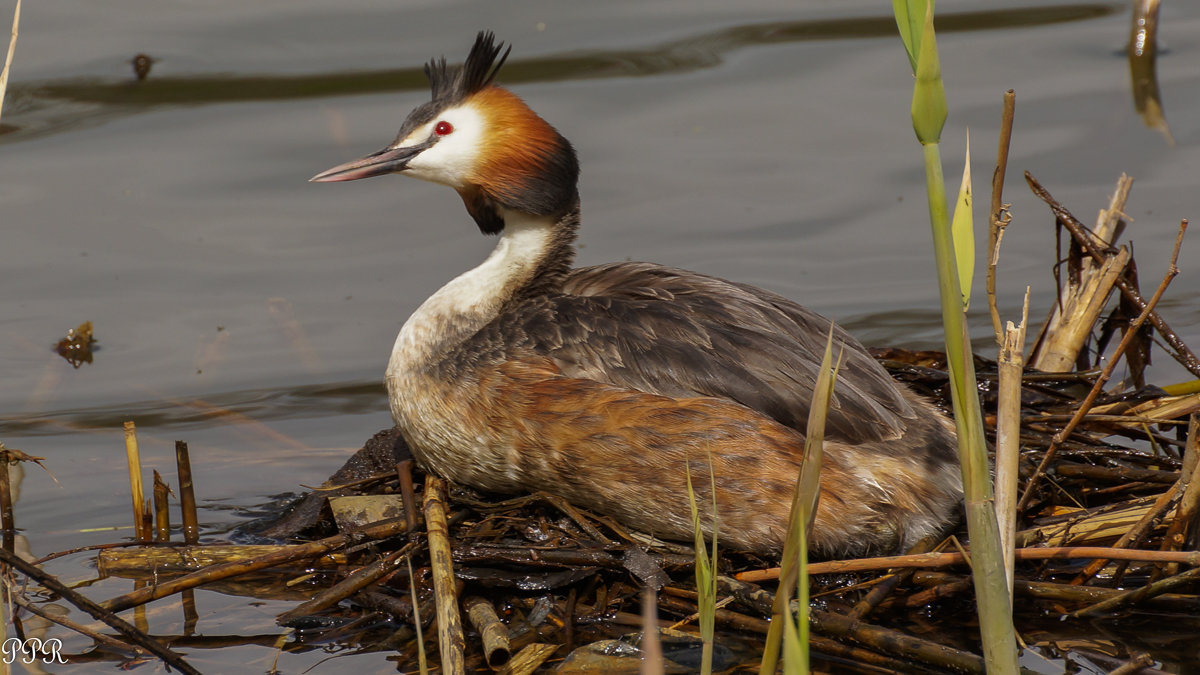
601 384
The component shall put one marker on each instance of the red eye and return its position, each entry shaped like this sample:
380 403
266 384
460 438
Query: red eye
443 128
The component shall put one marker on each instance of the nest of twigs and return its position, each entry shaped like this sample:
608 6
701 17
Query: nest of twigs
1106 562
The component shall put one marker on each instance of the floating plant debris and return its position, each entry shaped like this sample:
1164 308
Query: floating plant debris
141 66
78 345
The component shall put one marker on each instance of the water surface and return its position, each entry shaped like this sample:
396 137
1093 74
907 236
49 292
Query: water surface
251 313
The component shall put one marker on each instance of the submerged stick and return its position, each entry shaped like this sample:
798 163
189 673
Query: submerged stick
450 633
187 494
99 612
1098 387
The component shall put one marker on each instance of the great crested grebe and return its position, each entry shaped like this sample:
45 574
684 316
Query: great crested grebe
598 384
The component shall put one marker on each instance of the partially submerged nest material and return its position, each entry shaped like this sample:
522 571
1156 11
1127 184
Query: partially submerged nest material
1108 531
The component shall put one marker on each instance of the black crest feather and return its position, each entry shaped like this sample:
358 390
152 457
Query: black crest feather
451 84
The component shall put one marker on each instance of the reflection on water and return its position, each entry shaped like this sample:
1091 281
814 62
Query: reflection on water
260 405
692 53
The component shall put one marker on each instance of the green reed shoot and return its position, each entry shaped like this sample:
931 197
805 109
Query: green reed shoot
915 21
706 570
792 635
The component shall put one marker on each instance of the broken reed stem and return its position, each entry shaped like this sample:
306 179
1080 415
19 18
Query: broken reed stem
162 514
98 611
1011 364
380 530
187 494
999 218
1098 387
133 458
491 629
1189 502
1078 309
1082 297
934 560
1181 353
450 633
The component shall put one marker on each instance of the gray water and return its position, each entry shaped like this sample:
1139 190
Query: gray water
250 313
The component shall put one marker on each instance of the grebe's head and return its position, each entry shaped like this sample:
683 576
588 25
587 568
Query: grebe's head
481 140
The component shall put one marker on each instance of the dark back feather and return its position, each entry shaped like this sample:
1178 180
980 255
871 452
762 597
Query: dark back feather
667 331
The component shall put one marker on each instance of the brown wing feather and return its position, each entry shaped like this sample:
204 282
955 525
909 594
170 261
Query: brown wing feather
623 452
666 331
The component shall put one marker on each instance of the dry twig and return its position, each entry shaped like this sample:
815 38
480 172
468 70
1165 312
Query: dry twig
1084 407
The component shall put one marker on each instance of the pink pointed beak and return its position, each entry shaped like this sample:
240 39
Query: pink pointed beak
388 160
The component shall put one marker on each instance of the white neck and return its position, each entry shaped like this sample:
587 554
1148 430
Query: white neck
471 300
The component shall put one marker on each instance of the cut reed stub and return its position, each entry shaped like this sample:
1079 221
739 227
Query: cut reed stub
492 631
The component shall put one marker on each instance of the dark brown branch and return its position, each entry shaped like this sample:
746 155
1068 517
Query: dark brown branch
932 560
100 613
999 217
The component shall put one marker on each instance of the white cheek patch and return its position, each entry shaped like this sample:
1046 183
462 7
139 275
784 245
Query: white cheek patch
453 156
